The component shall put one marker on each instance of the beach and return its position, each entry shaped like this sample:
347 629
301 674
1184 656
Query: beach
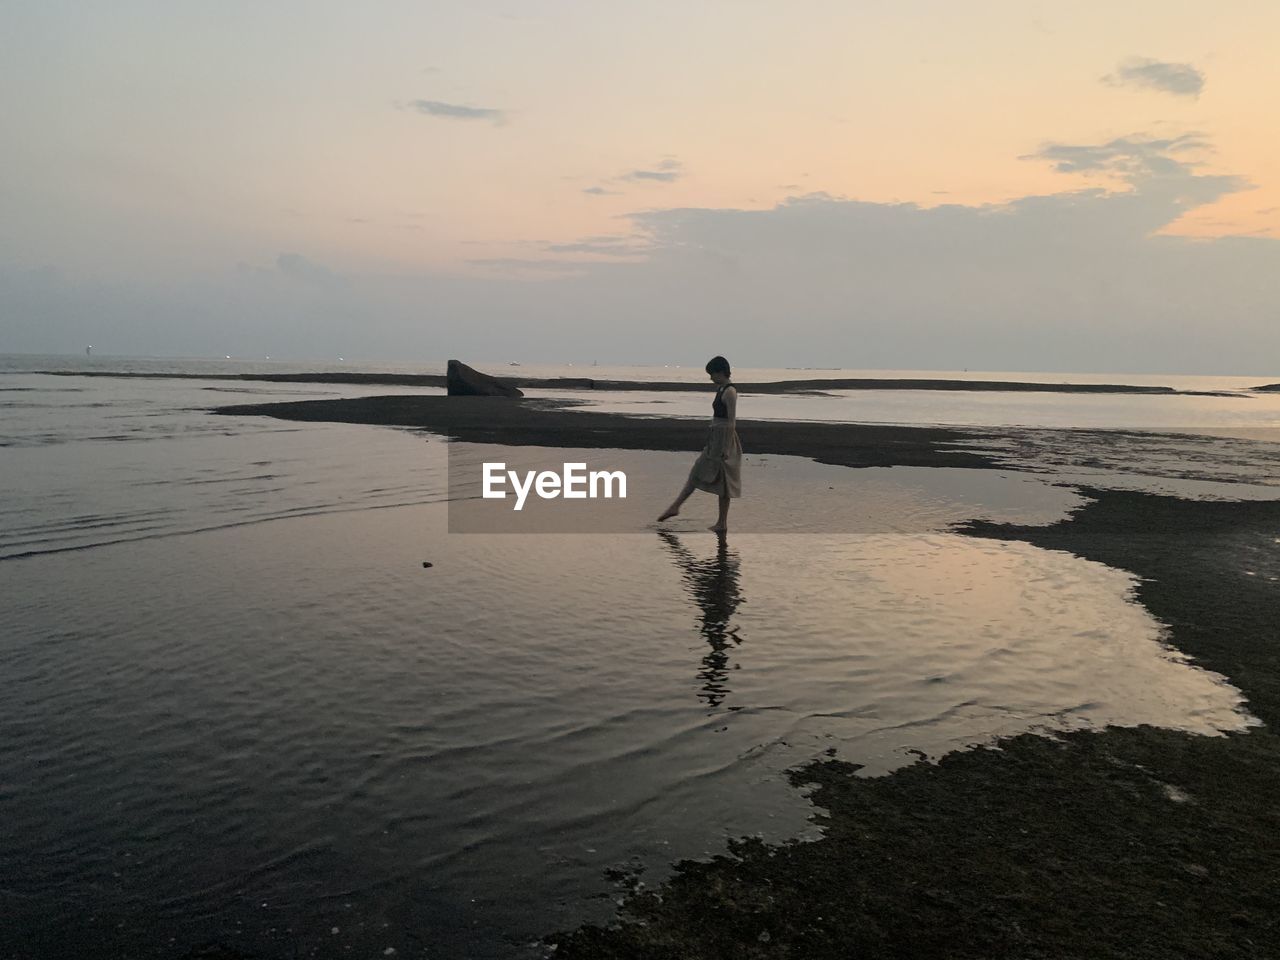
1129 842
597 480
968 690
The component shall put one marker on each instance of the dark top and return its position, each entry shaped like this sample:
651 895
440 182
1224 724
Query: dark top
718 408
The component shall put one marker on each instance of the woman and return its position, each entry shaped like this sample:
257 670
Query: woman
718 468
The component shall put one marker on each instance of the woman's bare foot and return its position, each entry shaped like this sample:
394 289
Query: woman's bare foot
718 528
669 513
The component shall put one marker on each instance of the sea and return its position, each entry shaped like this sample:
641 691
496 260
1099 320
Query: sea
254 693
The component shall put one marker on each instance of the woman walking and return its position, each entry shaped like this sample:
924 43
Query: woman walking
718 468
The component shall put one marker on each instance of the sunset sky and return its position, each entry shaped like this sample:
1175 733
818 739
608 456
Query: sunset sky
268 169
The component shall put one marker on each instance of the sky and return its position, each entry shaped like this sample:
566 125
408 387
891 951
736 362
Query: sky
1002 185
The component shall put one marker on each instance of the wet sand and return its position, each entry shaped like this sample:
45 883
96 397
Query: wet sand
1125 843
549 423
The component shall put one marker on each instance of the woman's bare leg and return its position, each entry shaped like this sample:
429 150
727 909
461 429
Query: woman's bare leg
678 502
723 523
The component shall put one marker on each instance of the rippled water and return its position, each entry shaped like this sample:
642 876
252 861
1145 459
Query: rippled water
236 706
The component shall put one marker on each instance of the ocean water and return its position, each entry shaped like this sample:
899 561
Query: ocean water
237 707
1240 412
674 372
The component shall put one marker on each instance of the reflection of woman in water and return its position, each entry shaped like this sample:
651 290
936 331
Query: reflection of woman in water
713 584
718 468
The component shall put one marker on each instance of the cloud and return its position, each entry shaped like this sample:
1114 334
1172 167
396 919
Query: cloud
668 171
1180 79
606 246
1150 162
1077 280
457 111
1081 279
664 176
1137 155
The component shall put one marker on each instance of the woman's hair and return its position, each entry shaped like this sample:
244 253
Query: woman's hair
718 365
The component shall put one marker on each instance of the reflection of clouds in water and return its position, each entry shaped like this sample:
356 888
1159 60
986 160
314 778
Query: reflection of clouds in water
713 584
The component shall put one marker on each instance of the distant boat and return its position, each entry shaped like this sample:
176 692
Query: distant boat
512 363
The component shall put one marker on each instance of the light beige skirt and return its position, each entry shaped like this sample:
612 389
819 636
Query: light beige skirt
718 468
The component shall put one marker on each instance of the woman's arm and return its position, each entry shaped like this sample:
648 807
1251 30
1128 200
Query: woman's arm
730 398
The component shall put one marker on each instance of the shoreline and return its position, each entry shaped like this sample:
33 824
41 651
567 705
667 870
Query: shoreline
1126 842
553 423
1129 842
562 422
667 386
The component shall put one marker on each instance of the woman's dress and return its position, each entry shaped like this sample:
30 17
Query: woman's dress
718 468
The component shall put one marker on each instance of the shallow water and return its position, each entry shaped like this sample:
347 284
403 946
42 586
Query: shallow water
237 706
297 713
1175 413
